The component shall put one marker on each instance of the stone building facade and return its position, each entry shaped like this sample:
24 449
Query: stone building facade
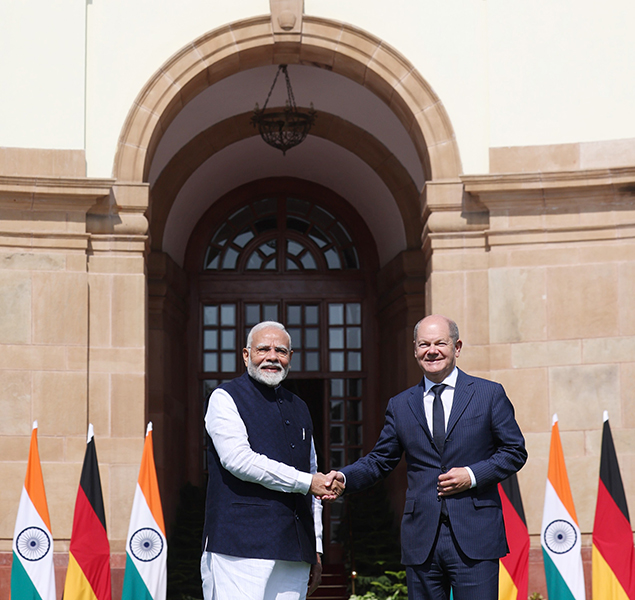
125 295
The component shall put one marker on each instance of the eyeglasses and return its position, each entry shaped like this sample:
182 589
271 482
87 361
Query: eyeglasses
280 351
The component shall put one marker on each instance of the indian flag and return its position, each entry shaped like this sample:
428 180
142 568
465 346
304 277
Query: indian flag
32 574
560 535
146 548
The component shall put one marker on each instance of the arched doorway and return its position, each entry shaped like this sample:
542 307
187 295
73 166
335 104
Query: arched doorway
292 251
381 133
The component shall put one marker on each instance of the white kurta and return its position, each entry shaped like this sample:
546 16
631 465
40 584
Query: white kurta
232 578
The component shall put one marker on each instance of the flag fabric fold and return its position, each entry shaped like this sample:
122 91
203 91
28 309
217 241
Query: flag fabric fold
32 572
613 552
145 577
560 535
514 568
88 574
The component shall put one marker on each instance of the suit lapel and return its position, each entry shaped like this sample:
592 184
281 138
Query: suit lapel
415 401
462 395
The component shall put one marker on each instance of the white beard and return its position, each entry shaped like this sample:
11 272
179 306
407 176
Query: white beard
264 377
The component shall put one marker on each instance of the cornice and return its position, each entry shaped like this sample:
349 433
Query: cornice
24 193
552 188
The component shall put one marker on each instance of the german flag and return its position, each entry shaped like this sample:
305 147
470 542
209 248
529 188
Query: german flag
613 552
514 568
88 575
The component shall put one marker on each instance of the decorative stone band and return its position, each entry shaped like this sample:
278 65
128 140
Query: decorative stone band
556 207
48 212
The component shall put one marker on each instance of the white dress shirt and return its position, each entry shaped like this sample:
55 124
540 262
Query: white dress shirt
447 398
229 436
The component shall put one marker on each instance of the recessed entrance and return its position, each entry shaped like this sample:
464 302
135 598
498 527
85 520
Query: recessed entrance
291 251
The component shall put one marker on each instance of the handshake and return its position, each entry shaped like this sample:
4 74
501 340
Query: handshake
327 487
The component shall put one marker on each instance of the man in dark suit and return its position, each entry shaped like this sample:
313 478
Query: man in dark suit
460 439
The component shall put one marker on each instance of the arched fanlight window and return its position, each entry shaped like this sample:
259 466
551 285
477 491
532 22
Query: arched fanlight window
281 235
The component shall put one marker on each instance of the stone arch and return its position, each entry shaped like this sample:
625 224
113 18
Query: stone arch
328 126
246 44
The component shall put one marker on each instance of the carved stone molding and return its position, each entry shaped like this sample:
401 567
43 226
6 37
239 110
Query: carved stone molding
518 191
52 193
286 19
556 207
122 213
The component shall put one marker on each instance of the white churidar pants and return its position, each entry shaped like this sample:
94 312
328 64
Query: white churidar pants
232 578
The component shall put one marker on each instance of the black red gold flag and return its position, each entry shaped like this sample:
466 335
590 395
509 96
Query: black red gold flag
88 574
613 551
514 568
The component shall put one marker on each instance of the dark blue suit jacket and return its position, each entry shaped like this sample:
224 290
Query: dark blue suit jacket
482 434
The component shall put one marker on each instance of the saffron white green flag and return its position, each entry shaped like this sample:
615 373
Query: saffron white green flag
32 573
560 535
145 577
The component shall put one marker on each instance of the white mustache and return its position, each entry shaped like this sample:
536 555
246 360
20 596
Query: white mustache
270 364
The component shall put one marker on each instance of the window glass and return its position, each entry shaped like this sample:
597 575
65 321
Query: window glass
337 410
231 257
296 337
353 313
336 361
354 337
242 238
228 362
312 361
336 314
294 314
312 337
270 312
337 388
311 315
305 227
210 339
210 315
308 262
228 339
297 206
354 410
228 315
266 206
333 259
210 362
252 314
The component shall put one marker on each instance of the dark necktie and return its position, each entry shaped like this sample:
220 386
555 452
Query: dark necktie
438 417
438 431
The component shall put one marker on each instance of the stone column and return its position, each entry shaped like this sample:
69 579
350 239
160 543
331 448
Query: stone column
73 314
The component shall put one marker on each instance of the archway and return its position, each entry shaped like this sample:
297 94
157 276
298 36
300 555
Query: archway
330 50
337 47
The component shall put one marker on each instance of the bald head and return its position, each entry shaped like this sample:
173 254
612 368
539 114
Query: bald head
453 328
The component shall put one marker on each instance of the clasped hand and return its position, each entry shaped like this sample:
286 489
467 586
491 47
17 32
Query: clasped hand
327 487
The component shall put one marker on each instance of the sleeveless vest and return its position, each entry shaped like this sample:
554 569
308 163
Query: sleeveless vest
246 519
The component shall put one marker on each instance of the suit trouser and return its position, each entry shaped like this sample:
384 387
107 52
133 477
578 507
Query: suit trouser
233 578
448 568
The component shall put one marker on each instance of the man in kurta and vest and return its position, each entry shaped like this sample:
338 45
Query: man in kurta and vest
263 526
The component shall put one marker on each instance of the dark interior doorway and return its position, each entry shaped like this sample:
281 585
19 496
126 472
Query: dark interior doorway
312 392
